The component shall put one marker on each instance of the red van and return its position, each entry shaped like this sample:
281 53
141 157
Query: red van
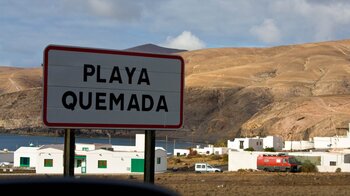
277 162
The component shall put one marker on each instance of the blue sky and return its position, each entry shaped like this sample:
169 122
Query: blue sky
28 26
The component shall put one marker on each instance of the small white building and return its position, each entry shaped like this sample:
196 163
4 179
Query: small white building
332 142
181 152
240 144
50 159
298 145
113 162
335 142
210 149
91 158
275 142
25 157
325 161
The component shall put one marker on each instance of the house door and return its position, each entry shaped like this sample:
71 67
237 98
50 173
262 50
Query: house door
83 166
137 165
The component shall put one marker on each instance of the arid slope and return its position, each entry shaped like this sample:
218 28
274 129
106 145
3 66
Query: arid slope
295 91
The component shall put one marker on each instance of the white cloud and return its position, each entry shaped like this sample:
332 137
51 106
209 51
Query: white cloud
267 32
186 40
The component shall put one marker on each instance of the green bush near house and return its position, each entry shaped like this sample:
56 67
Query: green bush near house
249 149
225 157
307 166
269 150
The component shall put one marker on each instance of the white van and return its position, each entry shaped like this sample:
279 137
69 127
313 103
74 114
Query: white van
205 167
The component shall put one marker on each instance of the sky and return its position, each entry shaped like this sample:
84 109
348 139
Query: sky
28 26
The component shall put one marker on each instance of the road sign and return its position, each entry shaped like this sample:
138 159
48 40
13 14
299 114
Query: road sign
100 88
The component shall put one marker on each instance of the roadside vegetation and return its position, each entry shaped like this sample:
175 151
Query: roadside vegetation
186 163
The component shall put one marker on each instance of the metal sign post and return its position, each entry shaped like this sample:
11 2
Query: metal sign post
148 176
69 151
102 88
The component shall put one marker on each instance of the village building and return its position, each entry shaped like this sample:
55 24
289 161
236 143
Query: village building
91 158
207 150
324 161
240 144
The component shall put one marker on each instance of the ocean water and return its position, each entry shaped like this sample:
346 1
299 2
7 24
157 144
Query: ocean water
13 142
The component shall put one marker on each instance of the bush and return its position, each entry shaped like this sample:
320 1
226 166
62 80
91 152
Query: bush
177 161
249 149
225 157
221 143
215 157
269 150
338 170
193 154
307 166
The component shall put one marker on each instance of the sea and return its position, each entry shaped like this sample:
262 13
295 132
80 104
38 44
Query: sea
12 142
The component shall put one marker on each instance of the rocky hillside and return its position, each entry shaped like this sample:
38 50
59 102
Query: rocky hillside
296 91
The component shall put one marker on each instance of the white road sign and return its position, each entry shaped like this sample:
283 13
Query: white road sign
98 88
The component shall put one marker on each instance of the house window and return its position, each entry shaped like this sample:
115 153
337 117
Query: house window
48 162
241 144
102 164
257 143
24 161
332 163
79 163
260 143
158 160
178 154
85 149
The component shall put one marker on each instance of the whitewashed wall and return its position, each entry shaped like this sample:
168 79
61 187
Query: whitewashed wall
181 152
50 153
256 143
30 152
275 142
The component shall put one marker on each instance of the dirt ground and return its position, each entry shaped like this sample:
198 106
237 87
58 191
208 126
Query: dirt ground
256 183
244 183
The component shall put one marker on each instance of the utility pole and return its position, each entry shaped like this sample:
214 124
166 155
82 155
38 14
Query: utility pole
166 143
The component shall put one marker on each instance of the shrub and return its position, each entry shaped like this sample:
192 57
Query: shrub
338 170
269 150
307 166
193 154
215 157
249 149
225 157
221 143
177 161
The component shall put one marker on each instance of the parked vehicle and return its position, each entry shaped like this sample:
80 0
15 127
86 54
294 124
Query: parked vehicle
278 162
205 167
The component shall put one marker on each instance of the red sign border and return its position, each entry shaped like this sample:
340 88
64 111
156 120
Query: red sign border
111 126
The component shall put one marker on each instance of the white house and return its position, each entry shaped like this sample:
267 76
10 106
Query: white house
275 142
50 159
181 152
25 157
332 142
326 161
112 162
91 158
298 145
240 144
210 149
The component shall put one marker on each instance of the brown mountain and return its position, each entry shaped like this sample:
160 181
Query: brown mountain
296 91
